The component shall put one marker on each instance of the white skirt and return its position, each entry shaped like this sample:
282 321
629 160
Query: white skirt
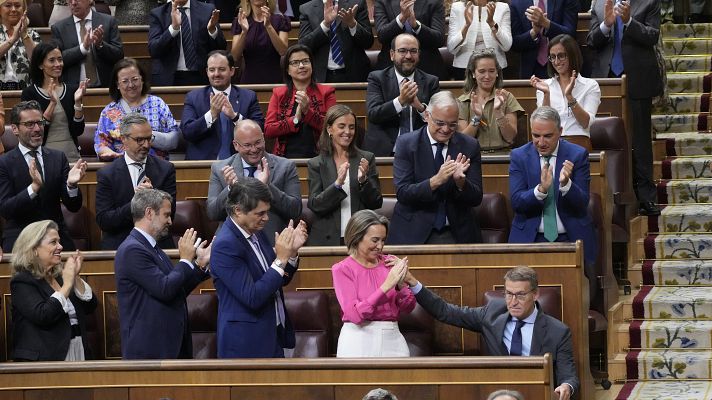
372 339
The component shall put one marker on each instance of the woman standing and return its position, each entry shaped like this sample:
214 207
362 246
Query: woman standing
343 179
16 45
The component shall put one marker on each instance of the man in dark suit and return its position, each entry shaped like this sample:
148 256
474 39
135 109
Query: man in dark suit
340 58
533 26
181 33
251 160
248 276
425 19
118 181
564 216
35 180
396 97
437 173
210 113
151 291
514 327
623 37
90 44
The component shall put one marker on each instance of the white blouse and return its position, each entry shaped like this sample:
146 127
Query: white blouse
588 95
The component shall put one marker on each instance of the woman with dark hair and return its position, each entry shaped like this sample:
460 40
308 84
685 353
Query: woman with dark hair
575 98
129 88
295 115
487 112
343 179
61 102
17 42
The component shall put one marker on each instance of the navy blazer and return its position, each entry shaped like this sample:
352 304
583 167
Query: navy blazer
165 49
525 175
415 211
563 15
19 210
246 293
203 142
114 191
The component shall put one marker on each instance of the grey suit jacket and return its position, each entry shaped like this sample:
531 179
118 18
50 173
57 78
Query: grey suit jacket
550 335
637 47
283 184
325 199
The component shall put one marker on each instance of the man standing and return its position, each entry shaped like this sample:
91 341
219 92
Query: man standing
248 276
437 173
90 44
35 180
180 35
338 33
118 181
624 38
210 113
396 97
151 291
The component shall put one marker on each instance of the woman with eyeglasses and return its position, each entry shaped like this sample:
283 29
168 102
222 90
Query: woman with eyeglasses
295 115
129 88
260 38
343 179
475 26
486 111
62 103
575 98
17 42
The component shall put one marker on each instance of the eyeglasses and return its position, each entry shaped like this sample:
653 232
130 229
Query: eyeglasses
250 146
412 51
442 124
135 81
31 124
142 140
520 296
297 63
560 57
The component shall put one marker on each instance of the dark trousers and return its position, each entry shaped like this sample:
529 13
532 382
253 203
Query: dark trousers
640 112
443 236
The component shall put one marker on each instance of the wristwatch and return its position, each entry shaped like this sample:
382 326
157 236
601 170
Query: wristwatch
236 118
572 103
277 263
475 120
295 120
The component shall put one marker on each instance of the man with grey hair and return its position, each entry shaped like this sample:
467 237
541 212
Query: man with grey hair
379 394
117 182
437 173
151 291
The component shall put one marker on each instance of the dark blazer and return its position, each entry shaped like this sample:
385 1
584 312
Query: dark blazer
151 294
40 328
246 303
414 214
353 48
114 191
111 51
550 335
203 142
19 210
431 15
525 175
383 120
563 15
165 49
66 98
637 48
325 199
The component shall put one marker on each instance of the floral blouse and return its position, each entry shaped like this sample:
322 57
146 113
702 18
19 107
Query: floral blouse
18 57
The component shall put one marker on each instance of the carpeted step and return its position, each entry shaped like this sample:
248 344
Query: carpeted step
669 31
673 302
683 191
696 63
669 364
678 246
677 272
687 46
682 218
689 82
679 103
686 167
666 390
672 123
669 334
686 143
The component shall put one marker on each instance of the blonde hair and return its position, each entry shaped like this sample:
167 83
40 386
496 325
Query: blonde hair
247 7
24 252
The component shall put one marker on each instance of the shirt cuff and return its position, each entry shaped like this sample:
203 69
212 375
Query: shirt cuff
213 35
352 31
420 26
293 261
604 29
398 21
209 119
539 195
82 49
73 192
187 261
62 300
565 189
86 296
397 105
30 192
278 269
417 288
173 32
324 28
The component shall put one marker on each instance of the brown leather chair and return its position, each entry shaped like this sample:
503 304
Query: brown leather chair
78 224
447 60
309 312
102 7
188 215
203 317
36 15
418 328
373 58
389 203
86 143
493 217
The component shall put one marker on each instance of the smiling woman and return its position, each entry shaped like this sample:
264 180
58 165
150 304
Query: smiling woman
16 44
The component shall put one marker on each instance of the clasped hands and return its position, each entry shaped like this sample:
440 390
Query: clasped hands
456 169
347 15
288 242
230 175
191 247
547 175
343 172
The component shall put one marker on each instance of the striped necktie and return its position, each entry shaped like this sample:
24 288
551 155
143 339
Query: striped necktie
186 38
335 44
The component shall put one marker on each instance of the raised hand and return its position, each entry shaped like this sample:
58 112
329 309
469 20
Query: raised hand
97 35
362 170
609 15
444 173
175 16
144 184
537 17
476 107
469 13
547 177
77 173
499 97
348 16
622 10
566 170
37 180
539 84
341 173
395 275
284 242
242 20
213 22
202 254
491 7
300 237
186 244
408 91
229 175
302 99
52 91
263 169
462 164
266 14
80 92
330 13
569 89
216 104
406 9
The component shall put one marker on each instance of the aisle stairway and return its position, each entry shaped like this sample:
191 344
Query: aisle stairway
669 339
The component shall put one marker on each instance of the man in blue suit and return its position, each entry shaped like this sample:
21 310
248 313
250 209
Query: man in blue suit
248 276
437 173
180 35
531 181
533 26
210 113
151 291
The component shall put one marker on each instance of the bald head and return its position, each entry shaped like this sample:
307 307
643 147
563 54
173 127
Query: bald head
249 141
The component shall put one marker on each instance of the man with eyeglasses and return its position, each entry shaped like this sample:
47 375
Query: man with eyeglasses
119 180
513 326
396 97
251 160
36 180
437 173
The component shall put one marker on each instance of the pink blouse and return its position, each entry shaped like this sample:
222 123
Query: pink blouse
358 290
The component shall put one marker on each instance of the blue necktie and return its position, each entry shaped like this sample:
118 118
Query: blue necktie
407 27
515 349
405 116
226 136
278 304
251 171
441 214
335 44
617 60
186 37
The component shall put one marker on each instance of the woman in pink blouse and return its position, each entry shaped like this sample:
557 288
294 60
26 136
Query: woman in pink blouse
370 289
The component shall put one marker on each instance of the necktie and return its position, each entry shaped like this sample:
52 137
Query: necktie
617 59
38 165
441 213
542 55
251 171
278 304
226 136
335 44
186 38
516 347
89 66
407 27
162 255
405 115
141 172
282 4
551 232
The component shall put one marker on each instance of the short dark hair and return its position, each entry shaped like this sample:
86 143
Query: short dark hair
573 53
23 106
523 273
470 82
147 198
114 84
224 53
285 64
246 195
325 143
39 54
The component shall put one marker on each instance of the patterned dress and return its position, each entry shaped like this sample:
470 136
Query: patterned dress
19 60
